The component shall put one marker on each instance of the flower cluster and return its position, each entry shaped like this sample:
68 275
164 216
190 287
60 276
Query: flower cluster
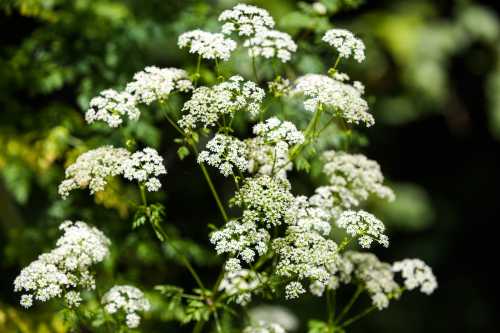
246 20
277 314
342 99
208 105
270 44
128 301
345 43
207 45
241 239
241 284
416 274
156 84
65 268
304 214
274 130
365 226
268 197
145 166
92 168
225 152
111 106
264 327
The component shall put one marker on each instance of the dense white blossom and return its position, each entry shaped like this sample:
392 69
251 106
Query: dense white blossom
304 254
92 168
66 268
345 43
279 87
208 45
375 276
264 327
293 290
208 105
127 300
145 166
365 226
305 215
240 284
111 107
274 130
268 197
274 314
241 239
344 100
225 152
268 158
416 274
156 84
271 44
246 20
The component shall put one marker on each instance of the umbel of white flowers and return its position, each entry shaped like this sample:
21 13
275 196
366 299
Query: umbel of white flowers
128 301
66 269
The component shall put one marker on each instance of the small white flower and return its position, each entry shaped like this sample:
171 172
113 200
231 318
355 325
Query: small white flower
274 130
206 44
416 274
73 299
111 106
274 314
241 284
26 301
264 327
365 226
271 44
127 299
225 150
319 8
345 43
246 20
145 166
293 290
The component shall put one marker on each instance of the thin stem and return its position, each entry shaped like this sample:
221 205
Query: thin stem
197 74
358 316
217 323
331 303
254 69
199 326
349 305
172 122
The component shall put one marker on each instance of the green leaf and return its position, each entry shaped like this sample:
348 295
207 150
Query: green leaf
183 152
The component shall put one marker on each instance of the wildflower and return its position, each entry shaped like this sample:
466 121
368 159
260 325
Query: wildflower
208 105
225 152
127 300
145 166
416 274
268 197
73 299
156 84
293 290
345 43
111 107
268 158
365 226
91 169
207 45
319 8
246 20
279 87
241 238
274 130
274 314
241 284
308 217
271 44
344 100
264 327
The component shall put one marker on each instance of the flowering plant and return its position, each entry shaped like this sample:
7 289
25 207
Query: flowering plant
275 242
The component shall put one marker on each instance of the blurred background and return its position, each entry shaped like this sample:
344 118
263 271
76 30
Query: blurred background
432 78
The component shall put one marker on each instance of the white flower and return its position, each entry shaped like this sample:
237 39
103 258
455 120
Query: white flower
268 197
206 44
319 8
274 130
225 152
156 84
246 20
73 299
416 274
145 166
293 290
345 43
342 99
264 327
271 44
304 215
241 284
26 301
91 169
365 226
274 314
111 106
127 299
208 105
241 238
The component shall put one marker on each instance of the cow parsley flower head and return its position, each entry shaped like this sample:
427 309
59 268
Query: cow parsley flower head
416 274
304 215
91 169
208 45
264 327
266 158
274 130
225 152
246 20
268 197
65 268
111 107
345 43
127 300
294 289
156 84
207 105
271 44
376 277
365 226
240 284
304 255
145 166
344 100
241 239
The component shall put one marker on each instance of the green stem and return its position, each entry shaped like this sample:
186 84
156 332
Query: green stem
254 68
358 316
199 326
331 303
197 75
349 305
